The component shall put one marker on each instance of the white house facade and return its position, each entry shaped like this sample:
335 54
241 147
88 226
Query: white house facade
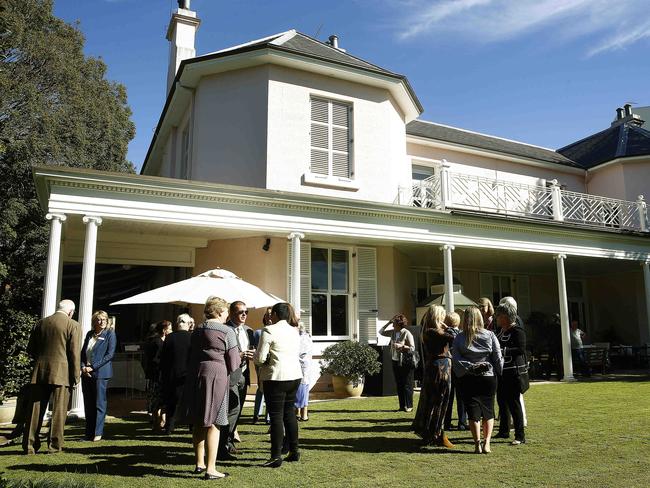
364 204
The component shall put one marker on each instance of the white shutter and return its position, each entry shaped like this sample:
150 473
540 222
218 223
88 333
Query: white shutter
305 281
522 295
486 288
367 293
330 138
340 140
319 136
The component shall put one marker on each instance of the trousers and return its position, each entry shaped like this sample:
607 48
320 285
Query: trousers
38 399
94 390
280 397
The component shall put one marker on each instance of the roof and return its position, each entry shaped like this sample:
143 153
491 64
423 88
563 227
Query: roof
429 130
620 141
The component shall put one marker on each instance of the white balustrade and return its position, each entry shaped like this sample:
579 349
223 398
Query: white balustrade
449 190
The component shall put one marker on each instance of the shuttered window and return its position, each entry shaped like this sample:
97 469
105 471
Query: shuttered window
331 138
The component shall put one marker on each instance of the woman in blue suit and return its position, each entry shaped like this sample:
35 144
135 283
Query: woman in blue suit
96 369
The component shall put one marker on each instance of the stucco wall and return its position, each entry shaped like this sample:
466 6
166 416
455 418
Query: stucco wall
379 149
393 284
229 137
608 181
637 179
574 182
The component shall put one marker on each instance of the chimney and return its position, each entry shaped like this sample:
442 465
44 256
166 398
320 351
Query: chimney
334 41
619 113
180 34
628 109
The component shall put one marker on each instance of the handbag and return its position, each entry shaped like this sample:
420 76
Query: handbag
521 372
410 359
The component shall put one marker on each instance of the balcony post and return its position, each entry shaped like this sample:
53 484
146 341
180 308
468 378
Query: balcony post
445 192
556 199
643 213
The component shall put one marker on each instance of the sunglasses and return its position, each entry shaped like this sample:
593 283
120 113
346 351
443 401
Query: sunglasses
242 312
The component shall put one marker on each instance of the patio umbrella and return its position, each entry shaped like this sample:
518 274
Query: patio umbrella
216 282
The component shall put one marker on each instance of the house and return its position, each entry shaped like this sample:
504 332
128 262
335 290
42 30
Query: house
309 172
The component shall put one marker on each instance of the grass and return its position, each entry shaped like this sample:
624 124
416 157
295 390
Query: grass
579 434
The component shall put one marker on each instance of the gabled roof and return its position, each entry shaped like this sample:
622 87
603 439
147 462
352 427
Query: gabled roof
444 133
620 141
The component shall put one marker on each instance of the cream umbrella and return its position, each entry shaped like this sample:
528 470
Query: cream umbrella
216 282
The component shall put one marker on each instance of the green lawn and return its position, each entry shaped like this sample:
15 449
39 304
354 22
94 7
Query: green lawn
581 434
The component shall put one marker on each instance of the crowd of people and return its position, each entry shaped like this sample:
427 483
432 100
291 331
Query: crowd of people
198 375
471 356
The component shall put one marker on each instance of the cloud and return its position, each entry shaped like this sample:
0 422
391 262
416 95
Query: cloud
604 24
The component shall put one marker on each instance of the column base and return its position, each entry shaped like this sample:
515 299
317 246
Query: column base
76 414
569 379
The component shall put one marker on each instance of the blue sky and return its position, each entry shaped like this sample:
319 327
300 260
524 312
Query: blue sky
545 72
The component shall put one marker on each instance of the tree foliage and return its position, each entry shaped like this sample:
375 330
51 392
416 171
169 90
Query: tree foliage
56 108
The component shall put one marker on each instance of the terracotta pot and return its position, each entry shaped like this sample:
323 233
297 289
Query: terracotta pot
7 410
343 387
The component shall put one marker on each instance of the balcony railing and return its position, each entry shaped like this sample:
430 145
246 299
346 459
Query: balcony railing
449 190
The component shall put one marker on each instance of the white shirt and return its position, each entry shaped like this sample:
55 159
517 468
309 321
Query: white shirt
89 349
244 343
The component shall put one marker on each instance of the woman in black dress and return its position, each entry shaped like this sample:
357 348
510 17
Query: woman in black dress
436 379
214 353
513 348
153 351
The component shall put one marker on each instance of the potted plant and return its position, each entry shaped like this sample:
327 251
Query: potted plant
348 362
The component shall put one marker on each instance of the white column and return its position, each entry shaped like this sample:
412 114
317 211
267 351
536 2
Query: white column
564 318
646 287
294 299
643 213
86 298
445 191
52 271
449 277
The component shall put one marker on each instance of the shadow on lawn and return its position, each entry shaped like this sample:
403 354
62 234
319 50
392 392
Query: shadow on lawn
376 444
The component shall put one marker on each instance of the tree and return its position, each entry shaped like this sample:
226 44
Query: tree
56 108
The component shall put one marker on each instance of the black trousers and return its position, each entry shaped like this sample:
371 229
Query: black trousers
280 398
226 431
511 392
504 411
404 381
173 395
460 407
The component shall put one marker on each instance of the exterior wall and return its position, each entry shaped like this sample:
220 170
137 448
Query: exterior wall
246 259
493 167
637 179
608 181
393 285
230 132
379 148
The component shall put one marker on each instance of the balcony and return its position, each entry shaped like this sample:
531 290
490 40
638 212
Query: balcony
449 190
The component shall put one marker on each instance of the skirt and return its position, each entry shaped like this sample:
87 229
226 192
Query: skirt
478 396
302 396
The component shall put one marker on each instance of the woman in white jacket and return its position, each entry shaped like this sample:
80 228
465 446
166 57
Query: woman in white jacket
278 355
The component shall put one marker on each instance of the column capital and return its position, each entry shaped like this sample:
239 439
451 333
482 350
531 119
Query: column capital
97 220
56 216
296 235
447 247
559 256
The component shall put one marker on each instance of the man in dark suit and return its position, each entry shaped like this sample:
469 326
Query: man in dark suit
55 346
173 367
239 379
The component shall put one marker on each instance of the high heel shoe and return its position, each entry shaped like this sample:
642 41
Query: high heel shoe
486 448
478 447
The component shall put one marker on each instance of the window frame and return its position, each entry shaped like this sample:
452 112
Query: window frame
329 292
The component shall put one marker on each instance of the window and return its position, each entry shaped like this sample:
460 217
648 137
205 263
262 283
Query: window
331 142
330 292
501 287
422 172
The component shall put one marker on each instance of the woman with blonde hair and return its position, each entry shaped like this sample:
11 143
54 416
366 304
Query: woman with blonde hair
96 369
487 313
436 379
477 357
213 355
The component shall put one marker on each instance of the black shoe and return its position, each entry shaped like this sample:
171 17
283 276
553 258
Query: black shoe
215 477
502 435
198 470
294 456
462 426
273 463
226 457
255 419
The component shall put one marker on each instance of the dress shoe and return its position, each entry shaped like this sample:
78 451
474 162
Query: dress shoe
294 456
462 426
502 435
199 470
273 463
516 442
443 441
209 476
486 448
478 447
97 438
226 457
409 409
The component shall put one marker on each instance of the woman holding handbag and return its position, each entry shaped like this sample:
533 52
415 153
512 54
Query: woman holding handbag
402 349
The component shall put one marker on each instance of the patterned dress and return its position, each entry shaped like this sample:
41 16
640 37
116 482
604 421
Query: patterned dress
436 383
214 353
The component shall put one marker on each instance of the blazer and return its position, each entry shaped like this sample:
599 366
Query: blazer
252 341
174 356
278 353
54 344
103 353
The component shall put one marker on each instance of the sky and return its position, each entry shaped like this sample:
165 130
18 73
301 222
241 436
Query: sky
544 72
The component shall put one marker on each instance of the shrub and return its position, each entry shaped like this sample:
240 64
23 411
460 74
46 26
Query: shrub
15 364
350 359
